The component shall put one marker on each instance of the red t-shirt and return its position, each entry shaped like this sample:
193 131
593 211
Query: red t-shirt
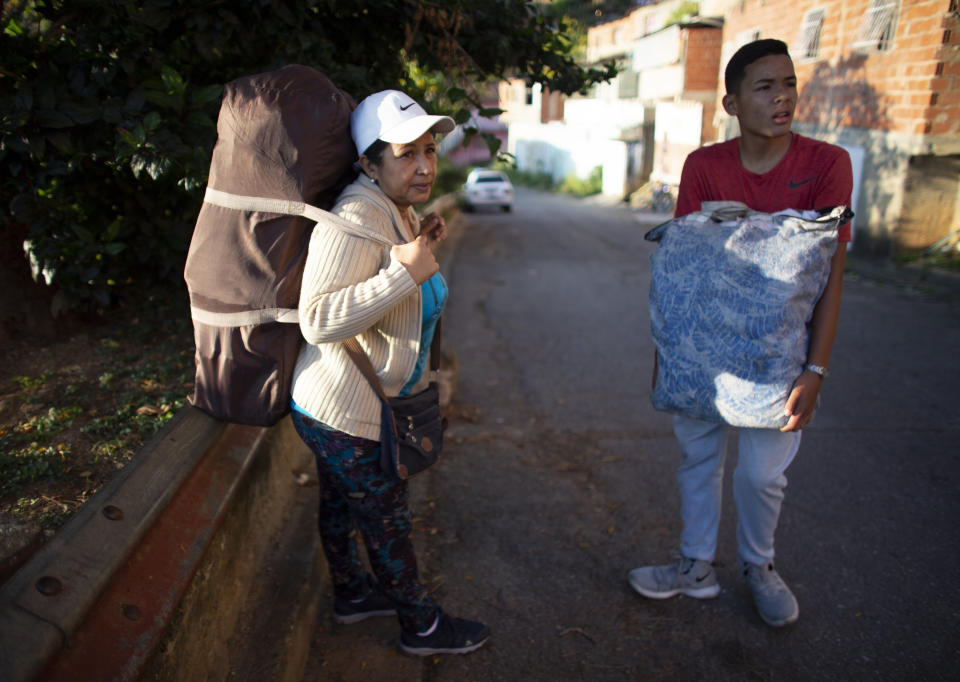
812 175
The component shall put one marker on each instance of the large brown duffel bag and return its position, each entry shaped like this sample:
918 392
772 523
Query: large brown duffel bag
283 152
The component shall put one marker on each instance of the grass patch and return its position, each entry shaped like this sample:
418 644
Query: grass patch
30 463
579 187
79 407
572 184
941 261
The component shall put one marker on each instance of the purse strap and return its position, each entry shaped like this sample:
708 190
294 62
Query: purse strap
362 360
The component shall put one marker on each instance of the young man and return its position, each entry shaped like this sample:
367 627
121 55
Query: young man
769 168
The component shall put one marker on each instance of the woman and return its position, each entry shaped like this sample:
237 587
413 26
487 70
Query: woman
389 300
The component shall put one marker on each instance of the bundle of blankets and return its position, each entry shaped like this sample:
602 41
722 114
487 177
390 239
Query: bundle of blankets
732 294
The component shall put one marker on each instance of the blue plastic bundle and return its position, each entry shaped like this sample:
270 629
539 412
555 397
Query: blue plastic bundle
732 293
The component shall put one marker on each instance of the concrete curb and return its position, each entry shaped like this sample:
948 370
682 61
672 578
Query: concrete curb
45 602
152 575
252 603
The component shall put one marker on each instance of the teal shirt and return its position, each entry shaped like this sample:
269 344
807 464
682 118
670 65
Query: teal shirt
434 294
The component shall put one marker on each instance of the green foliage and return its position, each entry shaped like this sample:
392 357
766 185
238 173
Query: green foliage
30 385
684 11
545 182
44 427
29 463
596 11
108 107
130 420
583 188
449 178
533 179
941 261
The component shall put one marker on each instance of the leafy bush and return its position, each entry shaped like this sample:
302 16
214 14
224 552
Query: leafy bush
583 188
449 178
29 463
26 456
108 107
533 179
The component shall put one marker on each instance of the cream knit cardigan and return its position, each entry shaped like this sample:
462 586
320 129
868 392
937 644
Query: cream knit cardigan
353 287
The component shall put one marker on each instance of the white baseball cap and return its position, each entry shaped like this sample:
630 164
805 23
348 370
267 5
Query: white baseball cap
393 116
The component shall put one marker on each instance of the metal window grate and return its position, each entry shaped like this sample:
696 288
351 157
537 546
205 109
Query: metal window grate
879 25
809 44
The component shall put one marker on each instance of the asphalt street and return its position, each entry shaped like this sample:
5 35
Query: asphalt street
559 477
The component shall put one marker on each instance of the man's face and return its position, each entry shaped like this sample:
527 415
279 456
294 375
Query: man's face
767 98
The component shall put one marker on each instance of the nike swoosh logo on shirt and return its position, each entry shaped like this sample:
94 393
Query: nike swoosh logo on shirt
794 185
407 107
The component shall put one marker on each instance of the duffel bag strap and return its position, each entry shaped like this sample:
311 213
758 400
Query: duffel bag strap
239 202
362 360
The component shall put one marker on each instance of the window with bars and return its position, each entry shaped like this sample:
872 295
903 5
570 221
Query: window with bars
747 36
878 26
809 44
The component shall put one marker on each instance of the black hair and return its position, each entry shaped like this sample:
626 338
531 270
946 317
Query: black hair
736 69
375 151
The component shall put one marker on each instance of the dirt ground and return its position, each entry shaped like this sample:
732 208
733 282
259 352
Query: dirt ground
74 408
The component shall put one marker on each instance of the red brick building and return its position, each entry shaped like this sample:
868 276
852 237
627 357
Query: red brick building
701 59
882 79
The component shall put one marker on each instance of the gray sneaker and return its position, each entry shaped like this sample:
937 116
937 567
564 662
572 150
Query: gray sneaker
692 577
775 602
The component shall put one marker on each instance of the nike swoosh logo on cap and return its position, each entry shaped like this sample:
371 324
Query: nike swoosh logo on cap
407 107
794 185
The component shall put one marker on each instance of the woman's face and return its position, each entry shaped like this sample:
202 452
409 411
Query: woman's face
406 171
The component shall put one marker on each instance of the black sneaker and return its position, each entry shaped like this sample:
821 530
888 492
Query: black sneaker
373 603
451 636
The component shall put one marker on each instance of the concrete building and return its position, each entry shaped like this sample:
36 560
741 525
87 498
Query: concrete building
640 125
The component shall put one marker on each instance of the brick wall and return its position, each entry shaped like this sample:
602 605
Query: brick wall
942 116
912 88
702 58
551 106
701 62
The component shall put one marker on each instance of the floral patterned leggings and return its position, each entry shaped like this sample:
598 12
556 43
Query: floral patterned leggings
354 493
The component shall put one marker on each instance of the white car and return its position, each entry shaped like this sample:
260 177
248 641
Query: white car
487 188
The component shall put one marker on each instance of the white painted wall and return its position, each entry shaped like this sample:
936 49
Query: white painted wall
588 137
857 155
614 116
662 48
677 133
661 82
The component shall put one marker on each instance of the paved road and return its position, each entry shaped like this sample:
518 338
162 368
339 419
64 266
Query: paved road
560 477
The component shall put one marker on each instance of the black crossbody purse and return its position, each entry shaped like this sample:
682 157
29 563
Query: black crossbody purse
411 427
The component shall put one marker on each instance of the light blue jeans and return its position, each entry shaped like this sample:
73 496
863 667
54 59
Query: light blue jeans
758 485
